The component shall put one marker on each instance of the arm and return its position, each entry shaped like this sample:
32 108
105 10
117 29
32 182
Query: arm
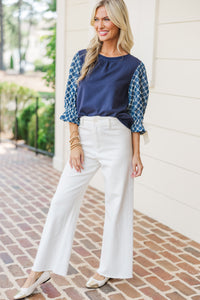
76 154
138 98
70 114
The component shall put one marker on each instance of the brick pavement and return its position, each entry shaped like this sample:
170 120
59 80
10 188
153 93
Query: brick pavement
166 263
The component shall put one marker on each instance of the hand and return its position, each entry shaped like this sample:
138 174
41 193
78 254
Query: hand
137 166
76 159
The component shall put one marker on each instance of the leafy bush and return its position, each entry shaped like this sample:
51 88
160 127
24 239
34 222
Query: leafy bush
46 128
24 119
40 66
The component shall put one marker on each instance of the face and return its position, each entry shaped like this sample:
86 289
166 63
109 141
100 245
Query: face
105 29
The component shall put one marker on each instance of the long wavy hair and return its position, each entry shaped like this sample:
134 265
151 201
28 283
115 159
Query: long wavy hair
118 14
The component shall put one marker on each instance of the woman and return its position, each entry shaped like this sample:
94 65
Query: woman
105 101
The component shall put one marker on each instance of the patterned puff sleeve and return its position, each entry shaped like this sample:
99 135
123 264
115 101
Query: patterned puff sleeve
138 97
70 114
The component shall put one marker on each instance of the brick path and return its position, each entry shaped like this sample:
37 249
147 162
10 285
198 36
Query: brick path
166 264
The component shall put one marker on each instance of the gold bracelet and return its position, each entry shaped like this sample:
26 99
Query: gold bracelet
72 139
75 145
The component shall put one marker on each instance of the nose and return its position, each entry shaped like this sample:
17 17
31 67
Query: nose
101 24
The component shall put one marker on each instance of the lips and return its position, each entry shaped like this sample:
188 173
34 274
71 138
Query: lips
103 32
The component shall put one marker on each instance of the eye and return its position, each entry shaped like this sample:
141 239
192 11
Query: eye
107 19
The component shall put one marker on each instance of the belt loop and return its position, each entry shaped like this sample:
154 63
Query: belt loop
82 120
109 123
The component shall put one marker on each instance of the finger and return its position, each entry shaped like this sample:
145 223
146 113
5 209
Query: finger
139 171
74 163
134 166
70 162
82 159
78 160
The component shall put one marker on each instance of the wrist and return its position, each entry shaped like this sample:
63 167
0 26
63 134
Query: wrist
74 133
136 154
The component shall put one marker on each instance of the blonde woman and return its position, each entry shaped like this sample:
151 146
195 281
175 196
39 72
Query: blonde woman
105 101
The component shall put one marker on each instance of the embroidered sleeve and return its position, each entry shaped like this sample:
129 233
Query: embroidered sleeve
70 114
138 97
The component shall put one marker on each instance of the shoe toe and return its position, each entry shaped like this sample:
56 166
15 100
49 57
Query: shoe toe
94 283
21 294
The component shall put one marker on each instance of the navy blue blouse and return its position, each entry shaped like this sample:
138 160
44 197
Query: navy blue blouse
117 86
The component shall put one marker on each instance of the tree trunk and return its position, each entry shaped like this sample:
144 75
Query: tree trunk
19 37
2 36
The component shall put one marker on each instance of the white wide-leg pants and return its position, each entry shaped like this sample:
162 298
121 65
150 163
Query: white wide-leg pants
106 143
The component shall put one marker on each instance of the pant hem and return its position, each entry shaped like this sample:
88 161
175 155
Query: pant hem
50 270
115 276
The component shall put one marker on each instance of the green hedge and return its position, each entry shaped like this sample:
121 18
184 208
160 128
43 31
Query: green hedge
46 128
26 114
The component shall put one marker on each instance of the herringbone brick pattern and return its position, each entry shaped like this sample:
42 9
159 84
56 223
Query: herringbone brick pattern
166 264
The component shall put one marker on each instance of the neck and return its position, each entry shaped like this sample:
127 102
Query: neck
109 48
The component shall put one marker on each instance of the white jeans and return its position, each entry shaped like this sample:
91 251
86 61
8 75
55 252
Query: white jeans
107 144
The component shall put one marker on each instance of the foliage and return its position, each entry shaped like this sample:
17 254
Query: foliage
11 62
51 47
51 53
46 128
19 17
39 66
9 90
26 114
47 95
24 119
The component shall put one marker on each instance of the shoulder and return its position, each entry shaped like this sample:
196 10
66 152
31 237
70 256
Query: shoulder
134 65
80 55
134 60
137 66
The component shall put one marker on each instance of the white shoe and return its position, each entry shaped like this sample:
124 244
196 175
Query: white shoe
24 292
94 283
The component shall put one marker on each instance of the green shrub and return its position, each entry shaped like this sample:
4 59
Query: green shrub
11 62
24 119
39 66
45 128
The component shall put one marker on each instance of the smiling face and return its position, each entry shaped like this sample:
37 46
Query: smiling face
105 29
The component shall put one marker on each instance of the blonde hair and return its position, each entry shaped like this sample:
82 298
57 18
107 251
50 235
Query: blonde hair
118 14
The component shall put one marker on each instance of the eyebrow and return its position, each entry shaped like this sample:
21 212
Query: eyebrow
103 17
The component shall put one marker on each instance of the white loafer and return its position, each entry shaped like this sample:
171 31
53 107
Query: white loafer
24 292
94 283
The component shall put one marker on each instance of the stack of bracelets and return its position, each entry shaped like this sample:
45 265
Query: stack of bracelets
76 144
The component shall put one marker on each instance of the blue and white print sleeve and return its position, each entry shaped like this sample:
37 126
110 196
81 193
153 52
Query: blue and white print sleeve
70 114
138 97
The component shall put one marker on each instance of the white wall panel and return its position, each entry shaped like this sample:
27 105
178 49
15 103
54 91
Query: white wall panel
179 77
174 148
174 214
179 40
173 112
142 16
75 42
173 182
77 17
179 10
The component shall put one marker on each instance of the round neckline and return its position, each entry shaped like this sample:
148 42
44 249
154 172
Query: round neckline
113 57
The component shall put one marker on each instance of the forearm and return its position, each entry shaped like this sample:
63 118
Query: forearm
73 128
136 143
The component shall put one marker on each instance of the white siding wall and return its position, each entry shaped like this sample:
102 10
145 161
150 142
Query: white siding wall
72 35
169 189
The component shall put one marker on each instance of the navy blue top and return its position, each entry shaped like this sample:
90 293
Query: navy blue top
117 86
